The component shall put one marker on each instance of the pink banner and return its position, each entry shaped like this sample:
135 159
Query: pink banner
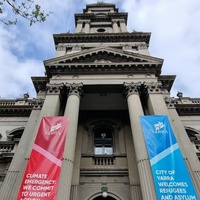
40 181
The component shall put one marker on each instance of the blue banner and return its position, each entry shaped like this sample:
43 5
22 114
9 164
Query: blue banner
171 177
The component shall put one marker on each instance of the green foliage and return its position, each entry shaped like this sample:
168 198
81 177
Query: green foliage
26 9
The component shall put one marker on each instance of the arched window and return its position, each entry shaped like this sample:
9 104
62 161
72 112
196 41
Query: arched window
103 140
15 134
194 137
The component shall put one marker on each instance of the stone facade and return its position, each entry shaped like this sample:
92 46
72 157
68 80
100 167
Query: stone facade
103 78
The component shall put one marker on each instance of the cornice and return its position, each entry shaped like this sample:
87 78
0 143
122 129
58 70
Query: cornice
188 109
102 68
95 18
167 81
15 110
92 51
19 107
187 106
40 83
99 37
100 5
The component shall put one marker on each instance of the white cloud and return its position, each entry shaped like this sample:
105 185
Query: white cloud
15 74
175 38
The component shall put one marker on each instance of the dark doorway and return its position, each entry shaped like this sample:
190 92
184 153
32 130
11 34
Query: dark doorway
101 198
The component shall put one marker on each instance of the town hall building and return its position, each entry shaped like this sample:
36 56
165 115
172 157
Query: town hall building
103 78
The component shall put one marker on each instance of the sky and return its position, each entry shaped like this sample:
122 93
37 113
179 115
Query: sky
175 37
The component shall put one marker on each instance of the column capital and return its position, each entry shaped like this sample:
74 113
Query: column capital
54 88
115 20
37 103
80 22
131 88
75 89
170 102
153 87
87 21
122 21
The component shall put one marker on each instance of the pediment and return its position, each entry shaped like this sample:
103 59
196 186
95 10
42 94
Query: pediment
104 56
103 60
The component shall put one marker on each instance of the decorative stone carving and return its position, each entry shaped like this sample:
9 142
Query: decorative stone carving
122 21
115 21
37 103
61 48
26 96
142 46
179 94
127 47
75 89
153 87
102 61
77 47
131 88
170 102
54 88
87 21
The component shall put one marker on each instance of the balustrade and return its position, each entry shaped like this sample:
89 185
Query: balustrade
196 101
105 161
6 148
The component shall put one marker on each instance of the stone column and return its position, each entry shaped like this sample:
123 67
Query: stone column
72 111
156 104
74 192
115 26
79 26
16 170
51 105
87 26
123 25
77 165
186 147
144 169
135 187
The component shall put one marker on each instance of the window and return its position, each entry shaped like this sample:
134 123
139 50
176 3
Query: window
101 30
103 142
194 137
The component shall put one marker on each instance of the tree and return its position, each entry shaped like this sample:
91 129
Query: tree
26 9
